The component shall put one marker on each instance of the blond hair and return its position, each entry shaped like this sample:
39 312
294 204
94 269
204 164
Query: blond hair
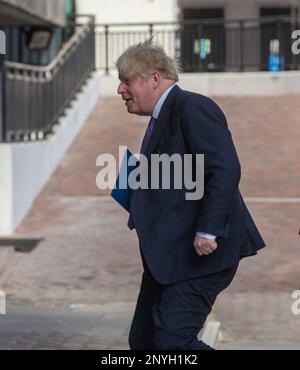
146 58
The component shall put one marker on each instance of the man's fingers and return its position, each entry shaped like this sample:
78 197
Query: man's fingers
213 247
204 248
202 251
199 250
208 247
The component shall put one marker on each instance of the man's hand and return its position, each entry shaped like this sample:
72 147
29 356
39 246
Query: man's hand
203 246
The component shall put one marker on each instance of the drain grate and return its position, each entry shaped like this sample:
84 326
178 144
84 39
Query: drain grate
21 244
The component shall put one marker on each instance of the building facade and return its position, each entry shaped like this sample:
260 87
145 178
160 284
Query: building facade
236 9
34 12
205 35
250 35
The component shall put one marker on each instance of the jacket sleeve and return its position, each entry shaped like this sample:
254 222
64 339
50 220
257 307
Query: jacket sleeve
206 132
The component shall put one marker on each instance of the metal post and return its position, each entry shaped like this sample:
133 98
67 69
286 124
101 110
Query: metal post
199 35
279 33
242 45
2 97
106 49
293 28
93 46
151 30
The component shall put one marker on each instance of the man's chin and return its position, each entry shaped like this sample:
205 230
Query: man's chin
132 110
129 108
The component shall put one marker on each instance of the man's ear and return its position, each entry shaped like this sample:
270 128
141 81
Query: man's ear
156 79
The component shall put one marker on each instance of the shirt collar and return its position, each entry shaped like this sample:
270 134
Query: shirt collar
161 101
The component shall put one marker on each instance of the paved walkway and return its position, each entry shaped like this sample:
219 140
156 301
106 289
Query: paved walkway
78 288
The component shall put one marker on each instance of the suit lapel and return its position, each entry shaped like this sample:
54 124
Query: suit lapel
163 120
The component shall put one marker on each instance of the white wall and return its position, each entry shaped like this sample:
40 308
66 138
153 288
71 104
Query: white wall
5 188
243 84
132 11
26 167
227 84
129 11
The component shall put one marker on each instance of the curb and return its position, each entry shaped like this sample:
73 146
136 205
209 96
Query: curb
210 334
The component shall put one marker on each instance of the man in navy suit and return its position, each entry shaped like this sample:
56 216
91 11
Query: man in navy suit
190 248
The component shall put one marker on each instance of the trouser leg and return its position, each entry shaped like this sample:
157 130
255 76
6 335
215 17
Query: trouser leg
141 331
182 308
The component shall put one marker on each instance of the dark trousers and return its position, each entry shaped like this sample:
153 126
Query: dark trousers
170 316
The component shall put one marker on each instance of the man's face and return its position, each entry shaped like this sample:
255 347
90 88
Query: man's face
138 94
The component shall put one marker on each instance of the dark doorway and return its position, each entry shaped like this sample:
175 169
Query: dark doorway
274 39
203 40
273 12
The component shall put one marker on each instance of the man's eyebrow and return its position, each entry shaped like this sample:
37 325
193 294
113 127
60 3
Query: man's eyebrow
124 78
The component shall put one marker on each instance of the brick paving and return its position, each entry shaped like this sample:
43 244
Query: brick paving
89 258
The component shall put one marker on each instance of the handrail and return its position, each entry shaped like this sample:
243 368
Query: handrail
204 44
42 93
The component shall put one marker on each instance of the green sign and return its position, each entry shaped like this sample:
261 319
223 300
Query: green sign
69 7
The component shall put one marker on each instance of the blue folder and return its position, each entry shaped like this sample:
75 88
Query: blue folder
122 196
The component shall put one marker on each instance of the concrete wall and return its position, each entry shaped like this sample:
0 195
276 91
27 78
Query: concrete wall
1 101
52 11
26 167
129 11
6 190
227 84
242 84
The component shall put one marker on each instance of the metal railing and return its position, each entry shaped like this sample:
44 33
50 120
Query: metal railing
206 45
35 97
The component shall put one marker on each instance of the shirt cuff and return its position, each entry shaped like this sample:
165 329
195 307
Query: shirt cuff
206 236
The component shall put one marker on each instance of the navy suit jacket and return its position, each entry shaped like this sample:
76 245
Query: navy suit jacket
166 222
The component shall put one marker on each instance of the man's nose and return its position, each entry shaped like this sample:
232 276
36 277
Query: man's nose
121 88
